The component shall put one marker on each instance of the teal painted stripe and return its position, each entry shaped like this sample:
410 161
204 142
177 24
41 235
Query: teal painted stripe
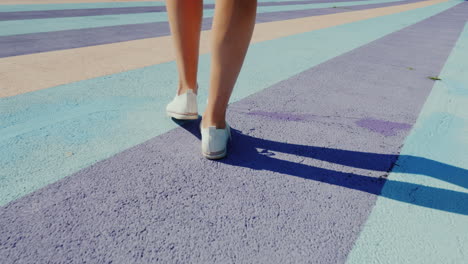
16 27
49 134
42 7
405 233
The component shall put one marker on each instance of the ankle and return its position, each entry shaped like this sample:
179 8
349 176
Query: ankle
183 88
218 123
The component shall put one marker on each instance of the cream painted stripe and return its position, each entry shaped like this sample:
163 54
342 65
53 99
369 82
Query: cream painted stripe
27 2
27 73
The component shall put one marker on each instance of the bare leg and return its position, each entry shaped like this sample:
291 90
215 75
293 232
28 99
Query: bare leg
233 26
185 21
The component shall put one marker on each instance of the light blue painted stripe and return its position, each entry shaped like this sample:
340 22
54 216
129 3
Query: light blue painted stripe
42 7
406 233
16 27
49 134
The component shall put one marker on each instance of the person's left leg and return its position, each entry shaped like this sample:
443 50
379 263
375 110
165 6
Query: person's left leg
185 18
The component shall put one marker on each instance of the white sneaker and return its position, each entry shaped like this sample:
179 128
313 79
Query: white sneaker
214 141
183 106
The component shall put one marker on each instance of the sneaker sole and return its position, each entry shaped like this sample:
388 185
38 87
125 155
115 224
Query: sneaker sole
183 116
215 157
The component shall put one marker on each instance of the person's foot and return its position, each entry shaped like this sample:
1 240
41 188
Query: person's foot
183 106
214 141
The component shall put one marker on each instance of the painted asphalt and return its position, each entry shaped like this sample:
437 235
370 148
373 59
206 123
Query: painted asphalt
344 152
21 44
19 15
59 24
47 69
128 99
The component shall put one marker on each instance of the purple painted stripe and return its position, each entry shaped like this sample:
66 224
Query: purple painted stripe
269 201
67 39
385 128
21 15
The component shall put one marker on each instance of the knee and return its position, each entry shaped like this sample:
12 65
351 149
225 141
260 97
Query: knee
246 5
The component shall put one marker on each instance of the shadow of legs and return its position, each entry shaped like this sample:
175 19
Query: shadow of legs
254 153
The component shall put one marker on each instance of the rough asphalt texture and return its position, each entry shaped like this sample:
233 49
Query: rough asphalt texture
283 193
22 44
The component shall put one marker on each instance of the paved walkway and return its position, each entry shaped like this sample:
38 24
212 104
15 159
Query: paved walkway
344 149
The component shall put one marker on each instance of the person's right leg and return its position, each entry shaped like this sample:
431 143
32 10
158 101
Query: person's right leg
232 30
185 18
233 26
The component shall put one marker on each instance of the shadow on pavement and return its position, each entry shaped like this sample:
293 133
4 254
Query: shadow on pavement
255 153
